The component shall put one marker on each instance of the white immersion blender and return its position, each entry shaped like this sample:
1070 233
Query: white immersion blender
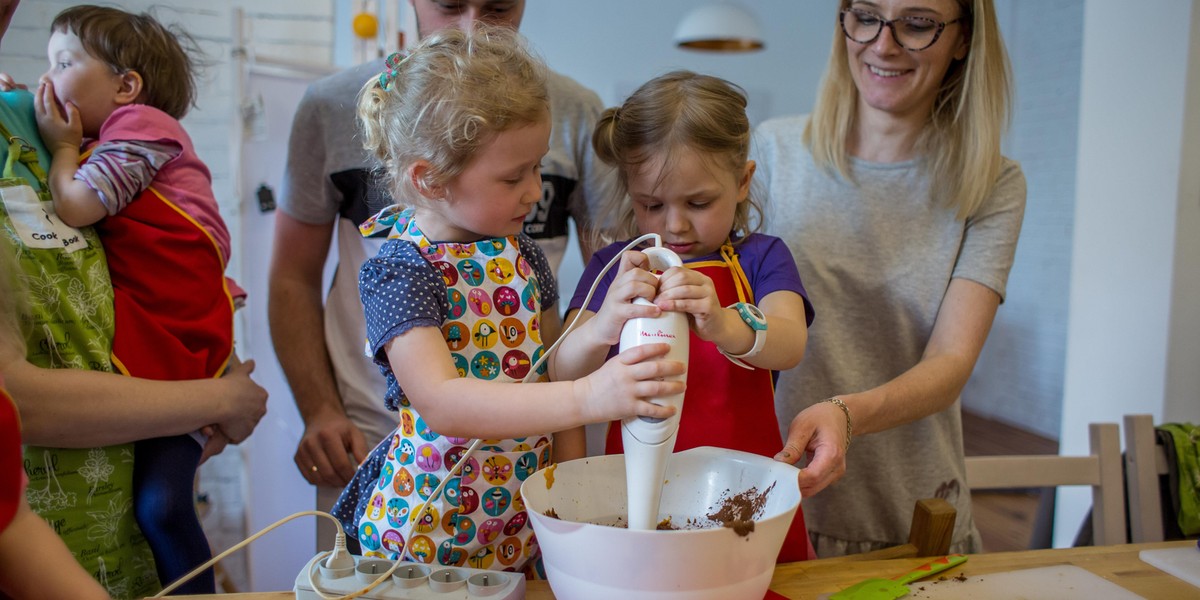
649 442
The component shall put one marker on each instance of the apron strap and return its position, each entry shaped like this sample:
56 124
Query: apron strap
19 149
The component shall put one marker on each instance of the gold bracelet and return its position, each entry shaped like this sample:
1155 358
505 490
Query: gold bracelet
849 426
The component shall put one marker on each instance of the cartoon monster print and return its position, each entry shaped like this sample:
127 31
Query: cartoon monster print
480 302
497 470
426 483
485 333
516 364
508 551
420 548
457 302
368 536
471 272
512 332
500 270
489 530
403 483
507 301
468 500
406 423
453 332
450 556
461 528
375 507
406 453
397 512
482 559
392 542
516 523
446 270
496 500
428 457
526 465
426 519
485 365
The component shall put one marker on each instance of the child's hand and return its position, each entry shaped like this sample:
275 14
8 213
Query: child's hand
634 280
8 84
217 440
60 127
689 291
624 385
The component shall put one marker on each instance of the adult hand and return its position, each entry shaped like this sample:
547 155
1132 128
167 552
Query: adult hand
330 450
624 385
818 432
246 401
59 125
8 84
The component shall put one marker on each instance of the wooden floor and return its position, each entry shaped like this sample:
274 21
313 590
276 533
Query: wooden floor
1005 519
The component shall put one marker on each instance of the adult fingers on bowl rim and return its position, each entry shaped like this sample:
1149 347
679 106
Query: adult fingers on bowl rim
827 466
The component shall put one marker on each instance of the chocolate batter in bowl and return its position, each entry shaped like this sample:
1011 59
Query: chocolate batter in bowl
728 513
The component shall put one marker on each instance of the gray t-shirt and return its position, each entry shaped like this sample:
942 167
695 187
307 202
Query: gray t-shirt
329 176
877 256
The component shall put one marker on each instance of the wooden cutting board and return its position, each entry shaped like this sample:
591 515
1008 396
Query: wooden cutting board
1060 582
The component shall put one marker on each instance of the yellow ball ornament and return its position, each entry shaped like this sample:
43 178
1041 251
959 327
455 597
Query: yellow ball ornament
365 25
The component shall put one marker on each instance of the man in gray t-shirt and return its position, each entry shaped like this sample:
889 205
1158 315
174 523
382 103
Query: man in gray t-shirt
329 184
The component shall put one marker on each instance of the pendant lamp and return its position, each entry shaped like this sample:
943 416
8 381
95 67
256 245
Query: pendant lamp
721 27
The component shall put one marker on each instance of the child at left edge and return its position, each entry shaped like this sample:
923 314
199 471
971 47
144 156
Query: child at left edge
680 144
108 109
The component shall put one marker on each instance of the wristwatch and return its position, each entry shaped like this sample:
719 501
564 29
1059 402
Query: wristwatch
754 318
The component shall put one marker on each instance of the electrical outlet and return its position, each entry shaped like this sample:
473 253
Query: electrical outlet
410 581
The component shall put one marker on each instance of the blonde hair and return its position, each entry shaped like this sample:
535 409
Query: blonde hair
449 97
678 109
961 142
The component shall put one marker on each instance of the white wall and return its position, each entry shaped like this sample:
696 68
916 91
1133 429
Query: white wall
1131 335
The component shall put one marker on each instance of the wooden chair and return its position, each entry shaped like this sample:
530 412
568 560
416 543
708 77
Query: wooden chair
1145 461
1100 469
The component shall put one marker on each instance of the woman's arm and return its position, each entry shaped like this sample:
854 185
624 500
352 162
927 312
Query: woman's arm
930 386
72 408
475 408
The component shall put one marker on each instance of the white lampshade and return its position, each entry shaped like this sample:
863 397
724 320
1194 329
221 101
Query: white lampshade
723 27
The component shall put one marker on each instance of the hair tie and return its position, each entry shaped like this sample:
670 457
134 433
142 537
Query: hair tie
391 69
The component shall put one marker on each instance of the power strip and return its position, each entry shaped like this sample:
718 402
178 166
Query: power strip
410 581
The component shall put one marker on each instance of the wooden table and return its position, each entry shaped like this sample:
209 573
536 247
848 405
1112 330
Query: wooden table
805 580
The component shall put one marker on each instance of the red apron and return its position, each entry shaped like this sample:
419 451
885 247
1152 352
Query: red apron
725 405
173 310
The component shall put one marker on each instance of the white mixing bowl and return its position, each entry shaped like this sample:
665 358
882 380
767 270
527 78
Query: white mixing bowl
587 561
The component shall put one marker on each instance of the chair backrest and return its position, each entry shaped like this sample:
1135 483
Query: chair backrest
1100 469
1144 462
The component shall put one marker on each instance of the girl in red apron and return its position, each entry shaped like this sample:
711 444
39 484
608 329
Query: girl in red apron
680 144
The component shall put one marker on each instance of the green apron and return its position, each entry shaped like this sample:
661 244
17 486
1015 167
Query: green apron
85 494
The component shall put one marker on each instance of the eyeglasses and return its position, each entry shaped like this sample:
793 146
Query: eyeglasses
911 33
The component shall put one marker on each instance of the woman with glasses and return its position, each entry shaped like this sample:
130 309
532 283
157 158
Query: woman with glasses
898 206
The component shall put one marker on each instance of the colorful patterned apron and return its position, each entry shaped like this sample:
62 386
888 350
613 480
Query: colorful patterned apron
725 405
492 331
85 494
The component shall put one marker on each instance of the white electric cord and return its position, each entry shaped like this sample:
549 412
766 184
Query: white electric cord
339 553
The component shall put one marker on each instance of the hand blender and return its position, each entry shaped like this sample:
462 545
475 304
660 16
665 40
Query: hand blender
649 442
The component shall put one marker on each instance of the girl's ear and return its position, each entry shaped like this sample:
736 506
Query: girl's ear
744 183
131 88
418 175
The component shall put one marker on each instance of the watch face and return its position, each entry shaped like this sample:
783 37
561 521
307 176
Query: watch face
752 315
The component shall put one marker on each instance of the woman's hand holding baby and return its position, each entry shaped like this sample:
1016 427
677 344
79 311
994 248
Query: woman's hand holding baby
622 387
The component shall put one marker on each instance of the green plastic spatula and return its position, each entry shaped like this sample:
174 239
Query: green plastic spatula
887 589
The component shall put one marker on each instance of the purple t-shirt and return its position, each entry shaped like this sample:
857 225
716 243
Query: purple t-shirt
766 260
